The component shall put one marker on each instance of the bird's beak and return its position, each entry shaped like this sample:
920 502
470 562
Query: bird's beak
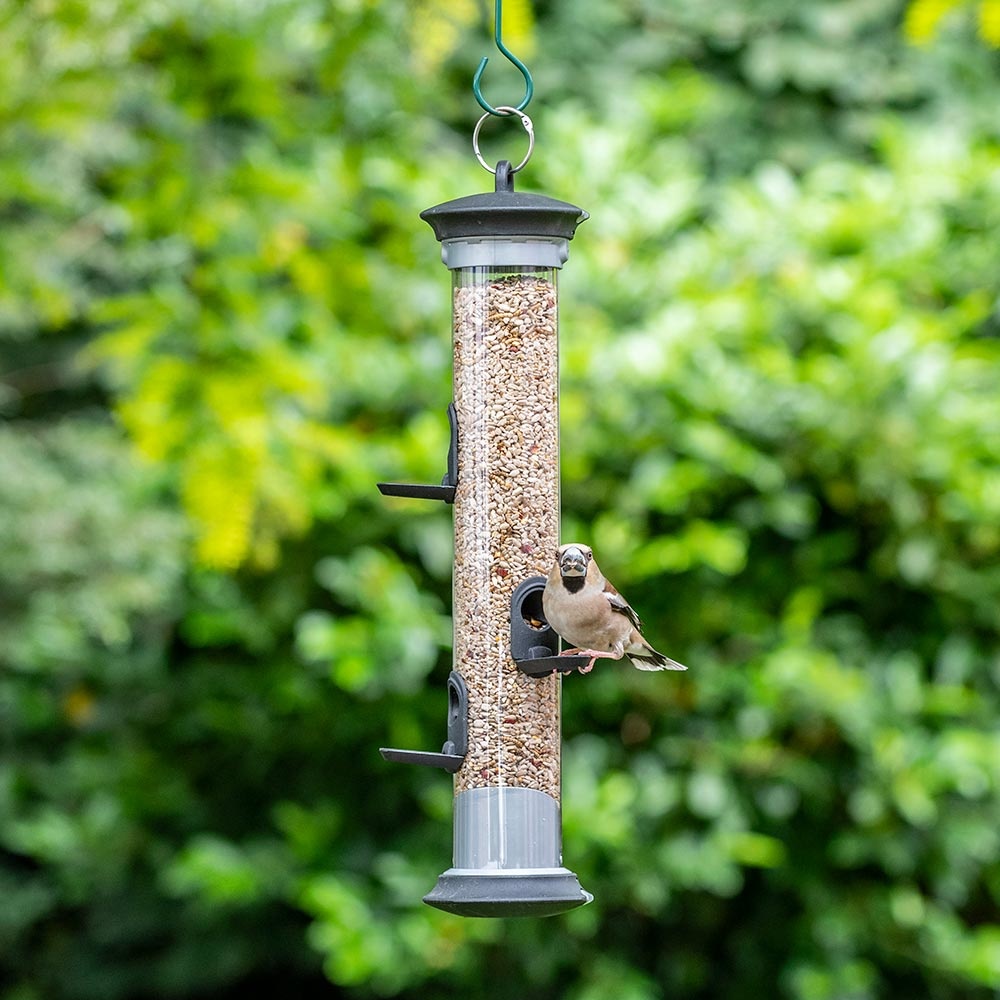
573 563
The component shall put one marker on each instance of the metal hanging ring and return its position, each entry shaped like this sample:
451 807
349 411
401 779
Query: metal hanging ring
505 111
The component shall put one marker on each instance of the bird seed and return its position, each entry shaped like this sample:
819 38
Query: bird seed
506 515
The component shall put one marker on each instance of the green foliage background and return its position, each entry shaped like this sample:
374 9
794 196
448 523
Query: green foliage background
221 321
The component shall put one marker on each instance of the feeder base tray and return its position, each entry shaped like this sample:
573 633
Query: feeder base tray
541 892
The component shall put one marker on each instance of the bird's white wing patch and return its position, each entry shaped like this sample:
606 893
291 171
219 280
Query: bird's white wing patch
619 604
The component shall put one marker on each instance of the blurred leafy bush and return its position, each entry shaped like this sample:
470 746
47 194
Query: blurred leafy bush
221 322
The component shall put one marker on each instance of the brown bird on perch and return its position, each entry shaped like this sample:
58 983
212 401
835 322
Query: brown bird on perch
586 610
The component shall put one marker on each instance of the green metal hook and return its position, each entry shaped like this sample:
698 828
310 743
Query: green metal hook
528 82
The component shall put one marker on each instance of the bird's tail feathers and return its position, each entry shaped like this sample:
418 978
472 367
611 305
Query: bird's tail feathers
654 661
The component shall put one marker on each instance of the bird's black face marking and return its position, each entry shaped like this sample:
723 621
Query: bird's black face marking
573 561
574 584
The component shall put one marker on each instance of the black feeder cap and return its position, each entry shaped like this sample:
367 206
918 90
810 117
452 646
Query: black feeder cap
504 213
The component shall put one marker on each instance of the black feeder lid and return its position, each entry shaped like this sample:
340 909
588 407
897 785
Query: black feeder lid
504 213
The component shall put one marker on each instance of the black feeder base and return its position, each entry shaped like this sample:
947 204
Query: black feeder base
526 894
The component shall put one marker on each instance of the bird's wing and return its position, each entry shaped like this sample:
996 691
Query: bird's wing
619 604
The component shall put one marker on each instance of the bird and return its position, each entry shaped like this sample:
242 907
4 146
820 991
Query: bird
585 609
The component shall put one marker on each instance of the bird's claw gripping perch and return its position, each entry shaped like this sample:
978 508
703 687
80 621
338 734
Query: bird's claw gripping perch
594 654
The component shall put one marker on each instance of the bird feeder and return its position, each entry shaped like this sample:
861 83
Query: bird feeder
504 250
